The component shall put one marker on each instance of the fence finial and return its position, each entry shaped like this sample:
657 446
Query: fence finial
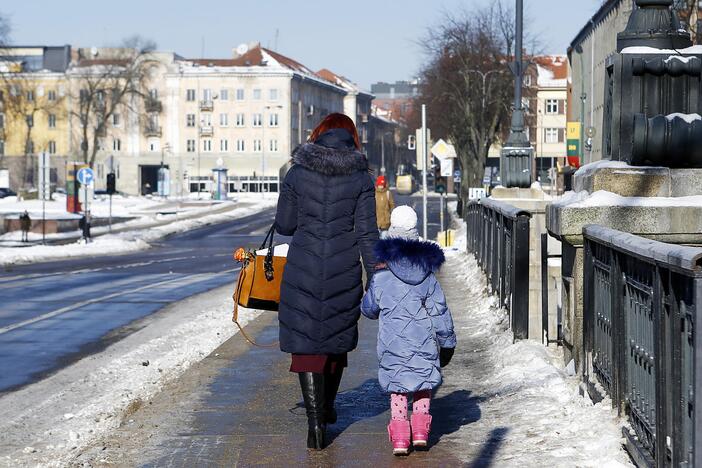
654 24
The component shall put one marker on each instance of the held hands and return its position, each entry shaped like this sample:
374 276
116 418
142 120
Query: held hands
445 355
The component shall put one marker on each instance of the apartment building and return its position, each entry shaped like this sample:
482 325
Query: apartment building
551 110
34 112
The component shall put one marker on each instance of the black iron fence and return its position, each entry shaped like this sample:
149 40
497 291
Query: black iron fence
641 302
498 236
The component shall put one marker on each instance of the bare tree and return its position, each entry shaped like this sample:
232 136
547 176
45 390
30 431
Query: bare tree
467 85
688 12
104 84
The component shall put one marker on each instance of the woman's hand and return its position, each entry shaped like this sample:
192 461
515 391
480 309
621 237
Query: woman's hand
381 266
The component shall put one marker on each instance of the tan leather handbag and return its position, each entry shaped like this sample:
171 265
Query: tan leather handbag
258 285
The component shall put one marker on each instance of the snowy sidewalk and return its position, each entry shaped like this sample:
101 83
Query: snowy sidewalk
502 403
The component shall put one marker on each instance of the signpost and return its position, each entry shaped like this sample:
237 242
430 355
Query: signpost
44 189
573 141
86 177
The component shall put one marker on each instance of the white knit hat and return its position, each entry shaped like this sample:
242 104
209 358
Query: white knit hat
403 223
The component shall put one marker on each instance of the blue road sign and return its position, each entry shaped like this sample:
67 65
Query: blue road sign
85 176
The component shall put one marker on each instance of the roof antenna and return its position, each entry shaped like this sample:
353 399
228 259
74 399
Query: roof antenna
275 42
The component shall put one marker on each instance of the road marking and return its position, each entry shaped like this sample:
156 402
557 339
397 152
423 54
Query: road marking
78 305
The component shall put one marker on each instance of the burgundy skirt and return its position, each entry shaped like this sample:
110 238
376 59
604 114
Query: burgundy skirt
318 363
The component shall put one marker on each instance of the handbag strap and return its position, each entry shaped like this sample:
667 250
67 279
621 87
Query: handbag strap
268 262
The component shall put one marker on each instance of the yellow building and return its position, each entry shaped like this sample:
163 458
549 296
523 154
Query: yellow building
34 112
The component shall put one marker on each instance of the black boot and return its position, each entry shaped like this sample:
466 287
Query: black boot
312 386
331 382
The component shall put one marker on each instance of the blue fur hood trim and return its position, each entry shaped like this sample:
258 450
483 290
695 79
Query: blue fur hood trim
329 161
409 259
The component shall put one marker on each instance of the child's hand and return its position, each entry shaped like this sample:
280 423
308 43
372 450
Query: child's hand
445 355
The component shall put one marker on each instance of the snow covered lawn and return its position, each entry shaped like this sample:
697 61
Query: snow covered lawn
47 423
530 408
139 233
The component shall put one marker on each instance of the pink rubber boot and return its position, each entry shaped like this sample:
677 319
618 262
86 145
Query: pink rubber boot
399 432
421 425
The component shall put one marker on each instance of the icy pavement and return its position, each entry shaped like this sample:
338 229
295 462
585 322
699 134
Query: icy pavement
502 404
138 237
48 423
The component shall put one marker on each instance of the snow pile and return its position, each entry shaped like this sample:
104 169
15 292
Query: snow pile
604 198
689 118
694 50
47 423
522 388
128 241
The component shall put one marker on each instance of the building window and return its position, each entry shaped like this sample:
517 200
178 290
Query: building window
101 144
257 94
224 145
30 120
207 145
257 146
117 144
115 120
30 96
554 135
153 93
51 95
552 106
2 120
190 95
224 94
30 147
240 120
52 147
273 94
206 94
190 120
273 146
273 120
223 120
2 147
52 120
190 146
240 147
240 94
257 120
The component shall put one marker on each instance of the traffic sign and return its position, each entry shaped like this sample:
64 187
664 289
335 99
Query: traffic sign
86 176
44 176
443 150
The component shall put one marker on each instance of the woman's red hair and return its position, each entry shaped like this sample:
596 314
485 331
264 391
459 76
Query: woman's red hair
336 120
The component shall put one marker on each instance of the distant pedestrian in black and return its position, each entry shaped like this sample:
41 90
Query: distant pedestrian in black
327 203
25 225
84 225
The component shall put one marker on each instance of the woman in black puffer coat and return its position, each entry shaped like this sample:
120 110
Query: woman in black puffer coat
327 203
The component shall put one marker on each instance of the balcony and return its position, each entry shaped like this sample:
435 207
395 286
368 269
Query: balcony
153 105
206 130
152 131
206 105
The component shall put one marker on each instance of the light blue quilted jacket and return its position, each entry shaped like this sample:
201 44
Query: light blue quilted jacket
414 318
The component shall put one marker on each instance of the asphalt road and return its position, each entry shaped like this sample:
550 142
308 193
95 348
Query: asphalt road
55 313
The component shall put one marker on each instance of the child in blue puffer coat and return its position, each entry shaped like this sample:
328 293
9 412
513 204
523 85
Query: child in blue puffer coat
415 337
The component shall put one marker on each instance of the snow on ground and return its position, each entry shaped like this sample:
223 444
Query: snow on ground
47 423
138 238
522 389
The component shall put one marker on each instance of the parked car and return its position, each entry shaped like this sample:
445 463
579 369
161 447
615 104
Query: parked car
6 192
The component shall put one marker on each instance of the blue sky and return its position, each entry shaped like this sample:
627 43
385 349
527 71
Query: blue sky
365 40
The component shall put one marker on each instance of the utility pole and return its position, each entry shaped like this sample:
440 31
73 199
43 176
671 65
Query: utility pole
424 170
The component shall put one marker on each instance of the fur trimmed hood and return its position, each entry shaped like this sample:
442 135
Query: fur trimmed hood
409 259
329 161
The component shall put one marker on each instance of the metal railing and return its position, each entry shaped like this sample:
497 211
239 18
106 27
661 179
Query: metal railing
641 301
498 236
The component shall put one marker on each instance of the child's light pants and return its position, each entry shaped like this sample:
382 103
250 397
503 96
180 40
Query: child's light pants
398 404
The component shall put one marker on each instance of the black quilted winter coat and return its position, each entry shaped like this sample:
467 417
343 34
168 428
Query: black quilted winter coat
327 203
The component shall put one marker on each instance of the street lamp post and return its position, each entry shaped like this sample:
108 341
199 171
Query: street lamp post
263 147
